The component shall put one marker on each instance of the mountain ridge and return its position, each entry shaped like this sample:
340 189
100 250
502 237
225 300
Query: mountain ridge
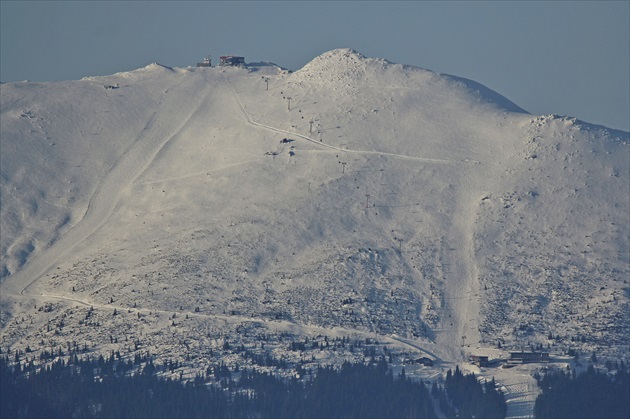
352 196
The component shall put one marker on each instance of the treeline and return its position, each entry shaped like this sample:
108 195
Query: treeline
114 389
591 394
465 397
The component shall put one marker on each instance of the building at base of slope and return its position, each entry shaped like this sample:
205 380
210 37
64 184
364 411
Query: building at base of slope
528 357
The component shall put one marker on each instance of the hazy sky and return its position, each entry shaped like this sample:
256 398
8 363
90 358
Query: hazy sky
563 57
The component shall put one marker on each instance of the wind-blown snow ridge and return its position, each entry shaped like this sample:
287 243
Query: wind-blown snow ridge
150 67
486 94
351 68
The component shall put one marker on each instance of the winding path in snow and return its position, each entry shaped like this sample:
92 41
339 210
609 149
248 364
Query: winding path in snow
346 150
161 127
277 324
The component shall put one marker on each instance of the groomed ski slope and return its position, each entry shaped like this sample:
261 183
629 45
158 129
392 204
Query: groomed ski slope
385 199
160 128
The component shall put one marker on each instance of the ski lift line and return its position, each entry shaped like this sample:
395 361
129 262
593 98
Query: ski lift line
251 121
319 143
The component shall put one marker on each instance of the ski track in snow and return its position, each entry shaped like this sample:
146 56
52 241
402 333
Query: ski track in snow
462 282
196 174
132 163
520 395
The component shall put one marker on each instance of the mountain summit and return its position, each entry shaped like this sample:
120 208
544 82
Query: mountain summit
354 196
347 68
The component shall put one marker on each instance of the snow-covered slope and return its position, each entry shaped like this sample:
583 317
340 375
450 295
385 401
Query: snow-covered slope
352 195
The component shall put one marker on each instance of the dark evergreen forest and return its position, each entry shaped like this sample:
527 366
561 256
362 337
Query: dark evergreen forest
466 398
112 388
591 394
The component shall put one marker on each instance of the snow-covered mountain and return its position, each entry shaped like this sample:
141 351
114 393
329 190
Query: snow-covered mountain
353 195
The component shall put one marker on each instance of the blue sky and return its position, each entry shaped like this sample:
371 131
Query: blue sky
563 57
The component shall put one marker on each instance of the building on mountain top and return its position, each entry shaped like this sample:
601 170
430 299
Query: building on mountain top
206 62
231 61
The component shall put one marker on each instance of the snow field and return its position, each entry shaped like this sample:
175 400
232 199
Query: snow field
421 210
